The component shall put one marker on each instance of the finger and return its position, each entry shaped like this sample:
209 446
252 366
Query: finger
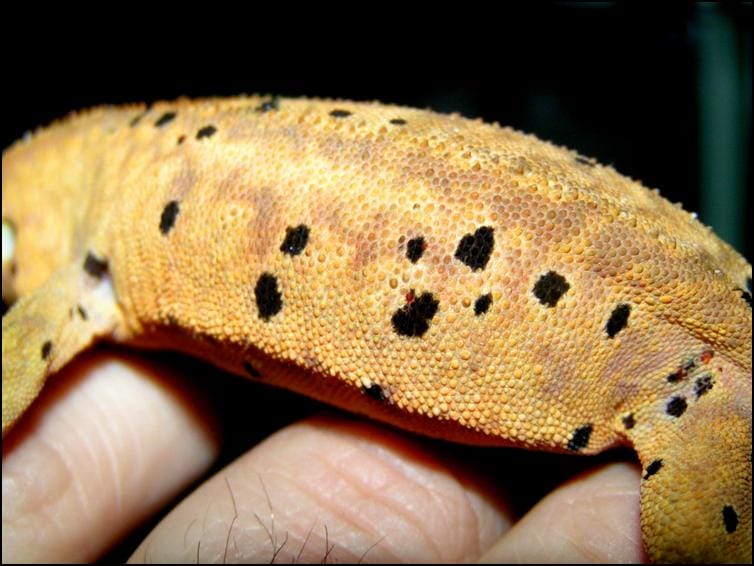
331 490
89 461
592 518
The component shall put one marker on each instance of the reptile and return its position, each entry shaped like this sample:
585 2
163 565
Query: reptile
448 276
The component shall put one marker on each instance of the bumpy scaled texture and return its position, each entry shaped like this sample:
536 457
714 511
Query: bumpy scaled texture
452 277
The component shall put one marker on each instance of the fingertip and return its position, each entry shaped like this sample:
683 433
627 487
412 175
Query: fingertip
594 517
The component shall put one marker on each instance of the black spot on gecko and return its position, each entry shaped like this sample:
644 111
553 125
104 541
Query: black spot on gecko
136 119
652 469
703 384
746 296
482 304
676 407
46 349
730 519
675 377
550 287
413 318
580 438
268 105
268 297
618 319
337 113
205 132
82 313
629 421
181 139
169 213
586 160
475 249
415 249
251 370
375 392
95 266
398 121
687 366
295 240
166 118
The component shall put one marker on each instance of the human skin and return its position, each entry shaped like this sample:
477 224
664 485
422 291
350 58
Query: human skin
117 437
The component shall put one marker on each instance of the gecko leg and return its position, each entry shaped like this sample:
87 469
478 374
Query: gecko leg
43 330
696 484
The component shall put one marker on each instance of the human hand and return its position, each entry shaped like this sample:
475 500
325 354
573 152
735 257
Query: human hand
112 440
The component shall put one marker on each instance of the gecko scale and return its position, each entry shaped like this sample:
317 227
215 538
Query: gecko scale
451 277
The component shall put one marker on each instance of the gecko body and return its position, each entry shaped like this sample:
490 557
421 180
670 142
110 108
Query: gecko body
451 277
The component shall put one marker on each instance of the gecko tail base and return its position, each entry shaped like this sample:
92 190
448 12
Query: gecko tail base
699 455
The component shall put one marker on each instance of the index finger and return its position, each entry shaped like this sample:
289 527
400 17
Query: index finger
88 462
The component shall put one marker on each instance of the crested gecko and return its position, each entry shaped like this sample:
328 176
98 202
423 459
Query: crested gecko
451 277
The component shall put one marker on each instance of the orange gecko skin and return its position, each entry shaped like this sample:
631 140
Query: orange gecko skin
451 277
